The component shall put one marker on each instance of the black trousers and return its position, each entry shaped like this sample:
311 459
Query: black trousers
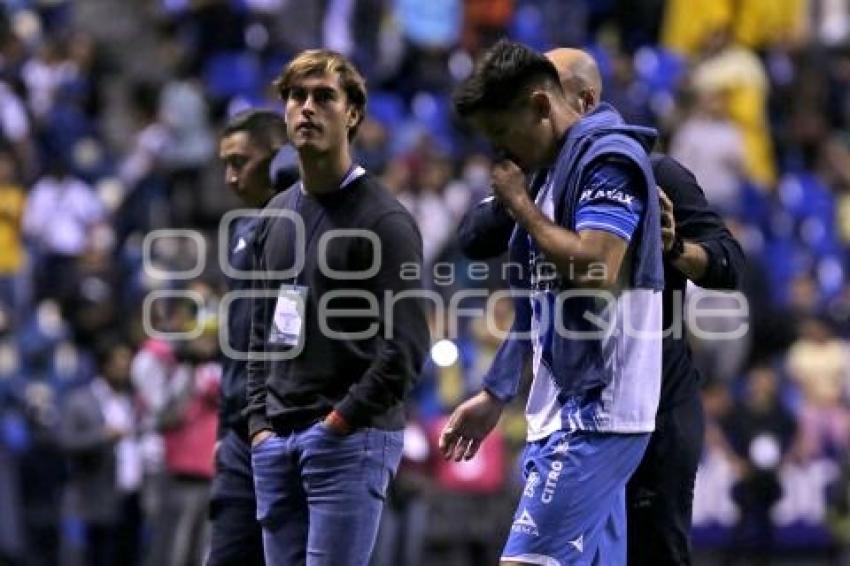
236 536
660 494
116 542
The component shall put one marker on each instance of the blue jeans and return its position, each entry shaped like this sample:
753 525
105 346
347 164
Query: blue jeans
320 495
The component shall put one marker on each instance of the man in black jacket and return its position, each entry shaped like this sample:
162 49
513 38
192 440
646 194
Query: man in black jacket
249 142
697 247
337 331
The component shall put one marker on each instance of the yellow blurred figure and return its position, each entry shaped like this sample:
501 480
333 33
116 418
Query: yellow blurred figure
731 66
761 23
736 71
688 23
754 23
12 202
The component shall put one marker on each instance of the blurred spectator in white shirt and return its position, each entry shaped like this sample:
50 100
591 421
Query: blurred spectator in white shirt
712 147
151 139
144 206
437 205
829 21
44 74
60 212
818 362
737 71
187 145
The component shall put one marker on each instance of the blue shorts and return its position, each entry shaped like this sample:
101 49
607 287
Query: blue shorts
572 510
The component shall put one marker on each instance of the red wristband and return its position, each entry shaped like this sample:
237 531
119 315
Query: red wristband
337 421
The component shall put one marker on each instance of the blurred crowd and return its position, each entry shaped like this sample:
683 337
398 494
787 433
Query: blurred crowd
109 114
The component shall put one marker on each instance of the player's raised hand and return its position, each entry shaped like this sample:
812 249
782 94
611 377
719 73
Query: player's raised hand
509 184
469 424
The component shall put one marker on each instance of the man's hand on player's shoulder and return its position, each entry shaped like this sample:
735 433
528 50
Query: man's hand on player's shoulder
668 221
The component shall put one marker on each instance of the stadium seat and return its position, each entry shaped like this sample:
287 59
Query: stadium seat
385 107
233 74
434 113
527 27
659 68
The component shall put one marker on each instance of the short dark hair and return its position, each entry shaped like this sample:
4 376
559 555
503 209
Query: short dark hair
505 72
265 128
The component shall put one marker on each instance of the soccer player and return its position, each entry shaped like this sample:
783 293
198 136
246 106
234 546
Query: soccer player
326 390
697 246
588 307
249 142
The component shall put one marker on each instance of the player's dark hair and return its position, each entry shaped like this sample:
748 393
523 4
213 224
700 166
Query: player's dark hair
265 128
507 70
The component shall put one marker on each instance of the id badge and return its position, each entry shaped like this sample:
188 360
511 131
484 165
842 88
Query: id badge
287 327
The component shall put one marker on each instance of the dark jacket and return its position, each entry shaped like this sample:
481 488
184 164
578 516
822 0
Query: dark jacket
234 370
366 378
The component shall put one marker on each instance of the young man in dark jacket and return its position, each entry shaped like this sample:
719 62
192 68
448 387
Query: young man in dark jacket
337 335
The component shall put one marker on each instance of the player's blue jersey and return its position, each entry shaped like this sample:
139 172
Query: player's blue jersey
629 338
